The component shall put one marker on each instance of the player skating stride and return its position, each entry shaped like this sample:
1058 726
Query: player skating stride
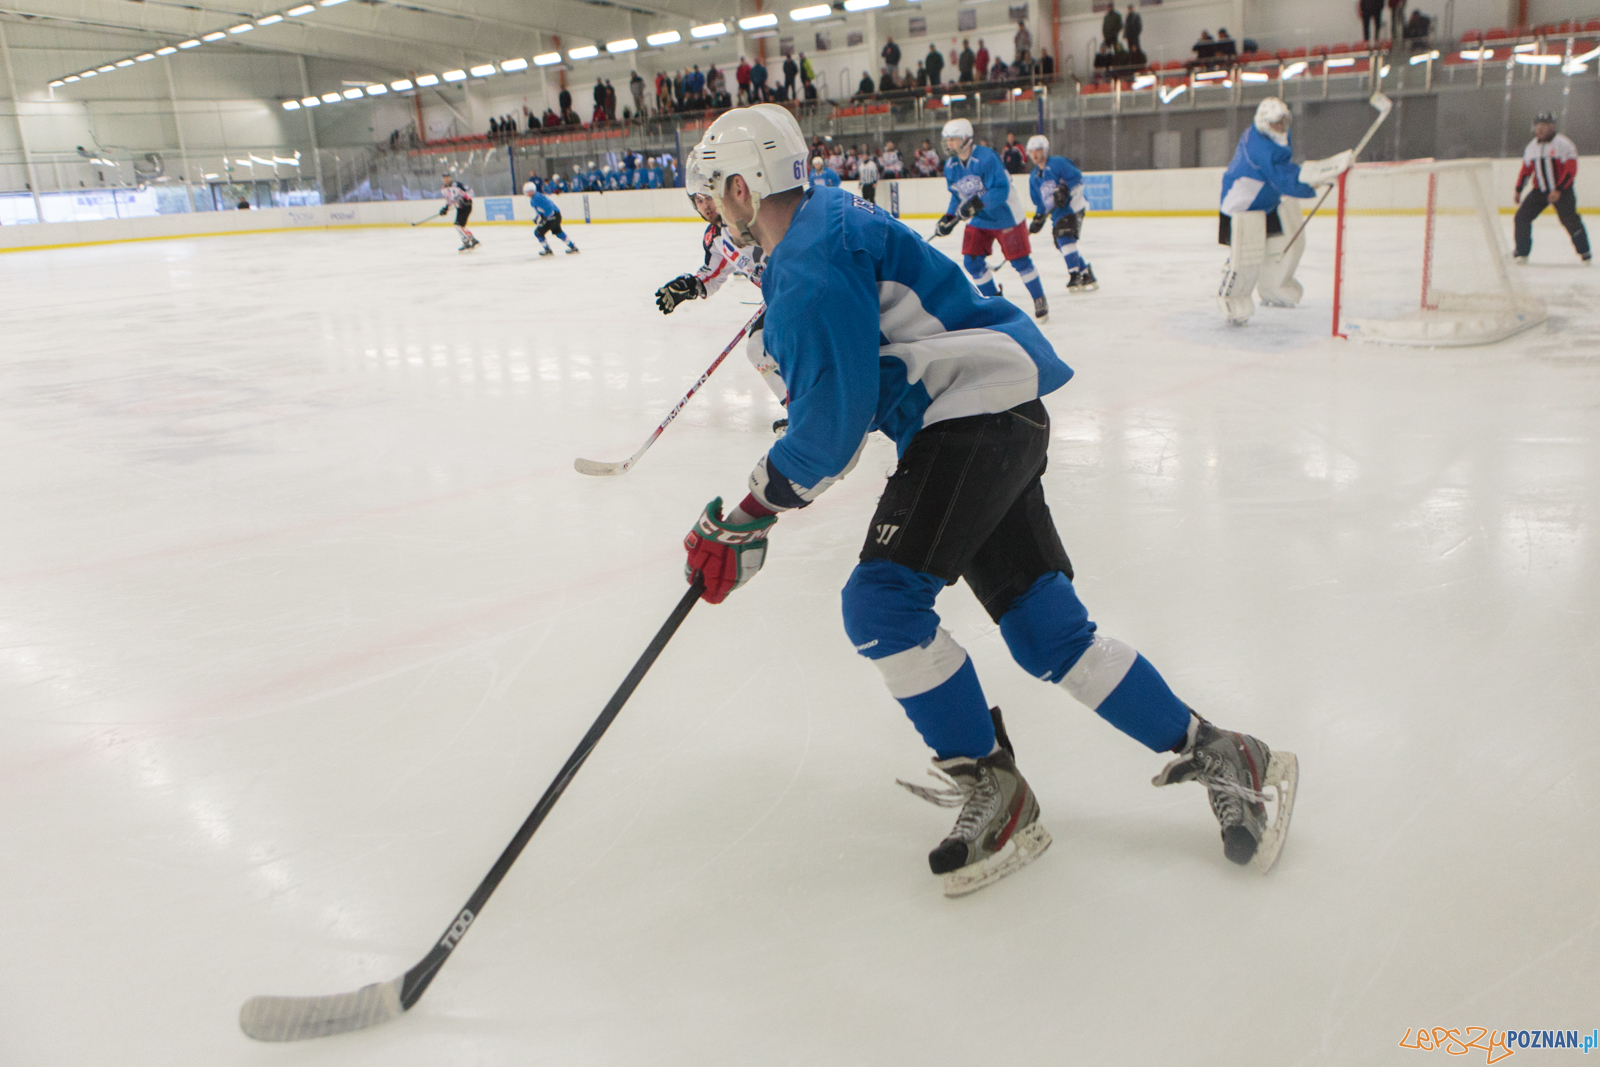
1056 186
981 193
1551 160
874 330
723 260
1255 224
546 217
459 197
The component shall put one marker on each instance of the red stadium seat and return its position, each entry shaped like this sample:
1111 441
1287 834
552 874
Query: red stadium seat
1298 53
1592 26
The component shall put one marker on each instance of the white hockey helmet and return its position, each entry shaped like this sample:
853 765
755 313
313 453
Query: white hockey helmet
960 129
1271 113
1039 143
761 144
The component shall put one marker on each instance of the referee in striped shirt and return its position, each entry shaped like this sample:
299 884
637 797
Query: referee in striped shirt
1551 160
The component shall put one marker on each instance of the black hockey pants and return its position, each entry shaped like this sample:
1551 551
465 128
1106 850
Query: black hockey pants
1533 206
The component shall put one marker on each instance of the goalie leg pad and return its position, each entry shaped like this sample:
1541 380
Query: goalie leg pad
1248 249
1277 284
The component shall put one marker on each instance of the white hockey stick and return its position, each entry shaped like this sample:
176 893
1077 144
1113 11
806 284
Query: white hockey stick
1384 106
589 466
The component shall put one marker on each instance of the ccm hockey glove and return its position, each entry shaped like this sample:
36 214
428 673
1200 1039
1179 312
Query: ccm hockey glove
945 224
684 287
724 554
972 207
1037 224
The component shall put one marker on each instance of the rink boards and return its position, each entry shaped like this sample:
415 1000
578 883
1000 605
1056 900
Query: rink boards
1184 192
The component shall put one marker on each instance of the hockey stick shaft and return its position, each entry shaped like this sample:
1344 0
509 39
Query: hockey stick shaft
273 1018
587 466
418 977
1383 104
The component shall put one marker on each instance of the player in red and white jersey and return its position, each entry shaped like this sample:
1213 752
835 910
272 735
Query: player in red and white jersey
459 197
1551 161
724 259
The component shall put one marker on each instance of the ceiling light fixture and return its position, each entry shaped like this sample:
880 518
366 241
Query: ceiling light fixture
124 62
303 9
483 70
455 75
401 85
168 50
546 59
758 22
587 51
270 20
710 29
291 105
511 65
427 79
864 5
243 27
214 35
802 14
666 37
147 57
378 89
310 101
331 98
626 45
353 94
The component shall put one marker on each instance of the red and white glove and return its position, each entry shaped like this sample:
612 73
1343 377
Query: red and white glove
725 554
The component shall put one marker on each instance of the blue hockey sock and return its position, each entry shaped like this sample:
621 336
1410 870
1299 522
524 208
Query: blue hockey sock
1049 634
1070 252
978 267
888 613
1030 276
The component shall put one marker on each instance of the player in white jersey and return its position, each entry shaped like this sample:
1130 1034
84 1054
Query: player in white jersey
876 330
459 197
1551 160
723 260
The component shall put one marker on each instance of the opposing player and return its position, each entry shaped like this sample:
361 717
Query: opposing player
982 194
1255 223
459 197
1551 160
546 217
1056 186
874 330
723 260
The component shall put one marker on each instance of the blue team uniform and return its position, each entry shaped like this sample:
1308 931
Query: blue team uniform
985 177
827 177
652 177
1059 172
874 330
1261 174
543 206
557 184
546 217
594 181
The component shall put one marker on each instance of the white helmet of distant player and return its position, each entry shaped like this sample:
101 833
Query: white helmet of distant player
1039 143
761 144
958 131
1273 118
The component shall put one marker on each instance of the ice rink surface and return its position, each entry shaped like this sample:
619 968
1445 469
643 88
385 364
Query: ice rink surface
302 605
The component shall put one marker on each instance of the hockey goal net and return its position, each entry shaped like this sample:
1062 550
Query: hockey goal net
1421 258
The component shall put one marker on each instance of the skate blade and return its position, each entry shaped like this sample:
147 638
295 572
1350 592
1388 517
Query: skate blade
1025 846
1283 776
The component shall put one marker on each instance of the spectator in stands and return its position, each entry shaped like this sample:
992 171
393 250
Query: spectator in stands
1226 48
1111 26
807 76
1022 41
636 87
891 55
742 77
1132 27
865 88
599 96
966 61
999 71
1418 27
791 71
983 61
886 82
927 161
1371 19
1205 49
889 161
933 63
1011 156
564 101
1104 59
1047 66
1397 20
611 101
758 81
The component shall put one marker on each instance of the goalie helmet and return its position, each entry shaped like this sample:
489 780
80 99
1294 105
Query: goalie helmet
1271 112
1039 143
761 144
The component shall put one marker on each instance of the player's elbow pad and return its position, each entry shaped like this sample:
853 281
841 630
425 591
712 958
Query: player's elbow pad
774 490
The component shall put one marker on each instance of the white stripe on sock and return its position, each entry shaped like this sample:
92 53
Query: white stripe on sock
928 666
1099 670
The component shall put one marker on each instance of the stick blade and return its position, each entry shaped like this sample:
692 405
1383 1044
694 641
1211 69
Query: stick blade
302 1018
1382 103
589 466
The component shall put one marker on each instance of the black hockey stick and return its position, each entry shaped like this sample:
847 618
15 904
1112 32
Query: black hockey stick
430 218
299 1018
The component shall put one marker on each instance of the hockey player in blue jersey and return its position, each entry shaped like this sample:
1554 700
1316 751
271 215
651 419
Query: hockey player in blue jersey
822 174
1056 186
981 193
874 330
1255 223
546 218
652 174
593 180
556 184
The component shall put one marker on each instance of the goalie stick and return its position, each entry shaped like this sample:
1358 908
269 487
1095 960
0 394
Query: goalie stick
1384 105
595 467
299 1018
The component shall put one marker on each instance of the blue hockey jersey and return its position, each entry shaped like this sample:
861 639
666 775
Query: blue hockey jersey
1058 171
543 206
827 176
1261 174
873 329
982 175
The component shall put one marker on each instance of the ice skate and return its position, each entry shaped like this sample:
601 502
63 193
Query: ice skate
572 250
466 246
998 831
1082 281
1041 309
546 251
1237 770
